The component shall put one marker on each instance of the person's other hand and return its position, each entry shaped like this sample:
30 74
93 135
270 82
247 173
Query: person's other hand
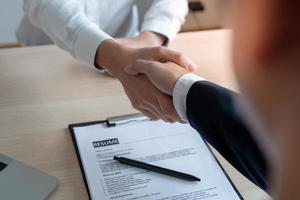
162 75
143 95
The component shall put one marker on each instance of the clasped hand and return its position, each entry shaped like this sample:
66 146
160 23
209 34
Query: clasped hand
147 76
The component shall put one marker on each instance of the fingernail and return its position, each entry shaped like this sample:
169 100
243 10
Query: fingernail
192 65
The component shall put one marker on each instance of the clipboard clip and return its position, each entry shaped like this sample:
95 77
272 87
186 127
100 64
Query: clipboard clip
124 119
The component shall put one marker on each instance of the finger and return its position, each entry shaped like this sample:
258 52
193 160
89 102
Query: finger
149 115
144 107
155 108
148 111
108 73
164 54
140 67
167 107
151 109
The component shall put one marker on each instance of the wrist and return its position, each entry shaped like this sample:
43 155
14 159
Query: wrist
113 56
152 39
105 52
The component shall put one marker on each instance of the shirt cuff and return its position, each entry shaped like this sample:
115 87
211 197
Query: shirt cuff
89 37
180 91
163 27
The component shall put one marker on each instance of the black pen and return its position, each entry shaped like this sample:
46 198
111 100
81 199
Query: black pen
157 169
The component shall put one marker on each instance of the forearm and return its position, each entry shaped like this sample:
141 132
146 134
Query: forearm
212 112
152 39
67 26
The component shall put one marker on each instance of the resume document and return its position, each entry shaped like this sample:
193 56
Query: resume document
174 146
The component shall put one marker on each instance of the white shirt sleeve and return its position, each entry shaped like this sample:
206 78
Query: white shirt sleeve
165 17
67 25
180 91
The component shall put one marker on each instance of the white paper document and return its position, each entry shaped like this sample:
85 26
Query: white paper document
174 146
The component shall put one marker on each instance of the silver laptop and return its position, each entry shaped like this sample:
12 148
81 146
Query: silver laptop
20 181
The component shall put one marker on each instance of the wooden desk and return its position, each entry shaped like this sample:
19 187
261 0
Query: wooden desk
43 89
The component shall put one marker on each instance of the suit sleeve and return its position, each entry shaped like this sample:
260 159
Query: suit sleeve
211 111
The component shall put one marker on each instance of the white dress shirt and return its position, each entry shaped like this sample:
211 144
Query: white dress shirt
180 92
79 26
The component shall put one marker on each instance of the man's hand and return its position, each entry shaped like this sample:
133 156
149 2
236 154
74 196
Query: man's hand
115 57
144 39
141 92
146 98
162 75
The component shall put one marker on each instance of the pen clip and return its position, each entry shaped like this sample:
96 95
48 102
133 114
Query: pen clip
124 119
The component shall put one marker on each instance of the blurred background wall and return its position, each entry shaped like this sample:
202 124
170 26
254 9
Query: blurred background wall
11 13
204 14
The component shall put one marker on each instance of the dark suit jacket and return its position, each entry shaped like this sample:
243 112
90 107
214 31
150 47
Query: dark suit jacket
210 110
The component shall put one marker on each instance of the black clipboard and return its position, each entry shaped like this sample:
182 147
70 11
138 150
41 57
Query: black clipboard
114 121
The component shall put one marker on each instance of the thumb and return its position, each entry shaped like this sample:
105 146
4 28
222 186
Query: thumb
180 59
184 62
139 67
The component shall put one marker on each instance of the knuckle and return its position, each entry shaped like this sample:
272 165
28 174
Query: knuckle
179 56
136 105
152 65
170 114
159 50
168 111
149 114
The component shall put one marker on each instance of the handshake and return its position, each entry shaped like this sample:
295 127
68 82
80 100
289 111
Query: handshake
148 75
